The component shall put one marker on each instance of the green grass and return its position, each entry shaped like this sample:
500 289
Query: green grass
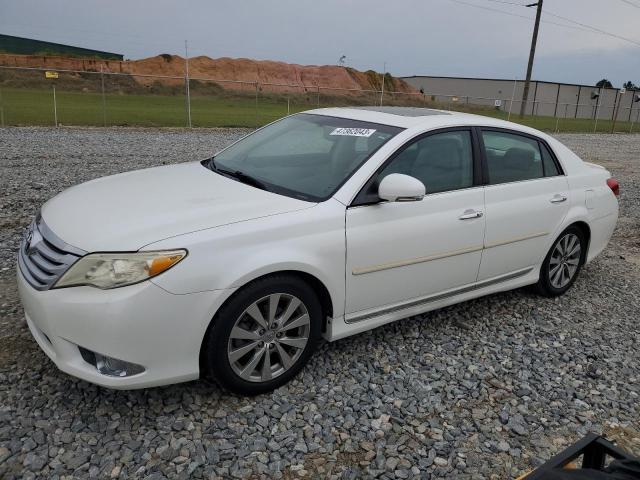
568 125
35 107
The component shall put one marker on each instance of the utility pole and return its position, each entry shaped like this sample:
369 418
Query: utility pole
188 99
532 53
616 107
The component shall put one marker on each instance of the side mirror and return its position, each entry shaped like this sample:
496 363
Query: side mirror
397 187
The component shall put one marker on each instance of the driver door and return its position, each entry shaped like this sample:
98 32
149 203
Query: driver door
398 252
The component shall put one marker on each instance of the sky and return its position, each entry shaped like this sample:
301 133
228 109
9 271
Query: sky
471 38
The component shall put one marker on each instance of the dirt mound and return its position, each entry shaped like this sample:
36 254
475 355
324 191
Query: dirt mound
233 73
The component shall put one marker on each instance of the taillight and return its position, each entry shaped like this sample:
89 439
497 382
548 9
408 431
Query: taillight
613 184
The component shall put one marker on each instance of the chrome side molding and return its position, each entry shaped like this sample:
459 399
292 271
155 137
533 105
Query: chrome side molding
440 296
412 261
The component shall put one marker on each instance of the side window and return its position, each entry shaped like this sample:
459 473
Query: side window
550 167
443 161
511 157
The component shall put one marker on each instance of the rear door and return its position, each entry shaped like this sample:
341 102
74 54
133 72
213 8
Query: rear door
526 200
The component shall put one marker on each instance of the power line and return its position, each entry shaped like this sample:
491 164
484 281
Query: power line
508 3
584 25
575 24
629 2
595 29
511 14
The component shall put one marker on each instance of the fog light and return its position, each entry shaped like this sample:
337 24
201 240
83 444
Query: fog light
116 368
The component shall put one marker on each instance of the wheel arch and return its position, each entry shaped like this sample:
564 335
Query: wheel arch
313 281
586 231
320 281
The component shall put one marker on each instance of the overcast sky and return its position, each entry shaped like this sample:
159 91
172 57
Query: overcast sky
413 37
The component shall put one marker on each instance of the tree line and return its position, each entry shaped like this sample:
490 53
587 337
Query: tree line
604 83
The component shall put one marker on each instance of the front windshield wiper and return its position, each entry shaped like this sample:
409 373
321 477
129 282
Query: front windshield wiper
238 175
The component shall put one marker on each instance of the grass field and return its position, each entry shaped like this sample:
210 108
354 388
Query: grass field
36 107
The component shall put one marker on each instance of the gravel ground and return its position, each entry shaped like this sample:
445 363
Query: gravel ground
486 389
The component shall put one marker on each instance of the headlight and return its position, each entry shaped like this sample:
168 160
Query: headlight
111 270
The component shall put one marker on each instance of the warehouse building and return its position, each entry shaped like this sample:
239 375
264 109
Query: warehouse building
29 46
550 99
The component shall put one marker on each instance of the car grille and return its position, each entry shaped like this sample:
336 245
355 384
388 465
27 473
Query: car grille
43 257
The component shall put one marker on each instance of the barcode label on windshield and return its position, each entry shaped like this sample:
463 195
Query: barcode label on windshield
353 132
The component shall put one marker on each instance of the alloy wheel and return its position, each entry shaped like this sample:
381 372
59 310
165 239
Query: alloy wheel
268 337
565 260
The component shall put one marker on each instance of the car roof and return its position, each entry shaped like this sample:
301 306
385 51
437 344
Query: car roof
406 111
423 118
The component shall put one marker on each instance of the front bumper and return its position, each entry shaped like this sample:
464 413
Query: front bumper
141 324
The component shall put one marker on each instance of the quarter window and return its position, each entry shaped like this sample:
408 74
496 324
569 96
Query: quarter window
511 157
550 167
442 161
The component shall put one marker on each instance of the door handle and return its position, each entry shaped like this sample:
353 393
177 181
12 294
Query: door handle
557 198
469 214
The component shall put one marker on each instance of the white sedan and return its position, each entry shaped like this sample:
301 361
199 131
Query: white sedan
322 224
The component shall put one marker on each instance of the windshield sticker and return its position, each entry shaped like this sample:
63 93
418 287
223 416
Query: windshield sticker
353 132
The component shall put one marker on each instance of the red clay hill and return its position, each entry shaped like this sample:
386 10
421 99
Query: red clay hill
296 77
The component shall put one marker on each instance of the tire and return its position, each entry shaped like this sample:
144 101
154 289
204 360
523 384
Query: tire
562 264
255 342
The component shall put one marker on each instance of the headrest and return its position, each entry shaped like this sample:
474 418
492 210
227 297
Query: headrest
440 152
519 158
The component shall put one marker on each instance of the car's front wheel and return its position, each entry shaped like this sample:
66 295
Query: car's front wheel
563 262
263 336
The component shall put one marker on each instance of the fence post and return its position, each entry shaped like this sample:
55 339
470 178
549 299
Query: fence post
1 109
104 102
186 82
382 87
55 107
513 96
634 121
257 89
318 99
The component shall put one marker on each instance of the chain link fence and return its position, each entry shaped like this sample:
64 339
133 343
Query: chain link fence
35 96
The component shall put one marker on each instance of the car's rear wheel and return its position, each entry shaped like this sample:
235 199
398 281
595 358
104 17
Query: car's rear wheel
263 336
563 263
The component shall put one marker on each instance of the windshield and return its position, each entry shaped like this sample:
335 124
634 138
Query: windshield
303 156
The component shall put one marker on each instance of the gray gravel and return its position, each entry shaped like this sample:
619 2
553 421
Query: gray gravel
486 389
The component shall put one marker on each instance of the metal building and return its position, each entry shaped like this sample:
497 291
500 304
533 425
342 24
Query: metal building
29 46
550 99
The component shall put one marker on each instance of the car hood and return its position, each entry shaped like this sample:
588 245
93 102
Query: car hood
127 211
